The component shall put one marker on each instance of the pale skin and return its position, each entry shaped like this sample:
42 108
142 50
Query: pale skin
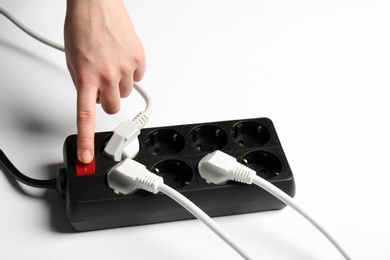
104 57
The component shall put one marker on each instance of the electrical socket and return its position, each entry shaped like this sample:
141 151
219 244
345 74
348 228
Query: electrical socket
173 152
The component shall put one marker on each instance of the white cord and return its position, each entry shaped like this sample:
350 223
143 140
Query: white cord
124 141
129 176
145 95
290 202
199 214
29 31
218 167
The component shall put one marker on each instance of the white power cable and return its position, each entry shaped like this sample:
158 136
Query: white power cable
124 142
29 31
219 167
128 176
290 202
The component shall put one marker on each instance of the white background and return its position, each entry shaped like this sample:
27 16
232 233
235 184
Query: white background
318 69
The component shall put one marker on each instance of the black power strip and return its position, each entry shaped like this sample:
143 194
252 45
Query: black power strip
173 152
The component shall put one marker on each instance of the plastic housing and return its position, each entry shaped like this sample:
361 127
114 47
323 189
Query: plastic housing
173 152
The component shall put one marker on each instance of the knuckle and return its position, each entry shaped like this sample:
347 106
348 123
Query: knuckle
126 66
84 116
107 76
84 78
84 139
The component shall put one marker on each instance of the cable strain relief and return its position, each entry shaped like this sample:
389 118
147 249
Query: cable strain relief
150 182
243 174
141 119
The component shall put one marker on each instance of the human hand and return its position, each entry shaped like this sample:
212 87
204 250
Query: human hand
104 57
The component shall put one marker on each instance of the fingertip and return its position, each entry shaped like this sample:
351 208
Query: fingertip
85 156
111 109
111 104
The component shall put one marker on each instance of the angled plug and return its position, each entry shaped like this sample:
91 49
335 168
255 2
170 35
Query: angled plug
125 134
218 167
129 176
124 141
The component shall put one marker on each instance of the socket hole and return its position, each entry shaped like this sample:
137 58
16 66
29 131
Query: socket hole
250 134
266 165
207 138
176 174
164 142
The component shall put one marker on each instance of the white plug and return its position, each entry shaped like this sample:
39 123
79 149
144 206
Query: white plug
124 134
131 150
124 141
218 167
129 176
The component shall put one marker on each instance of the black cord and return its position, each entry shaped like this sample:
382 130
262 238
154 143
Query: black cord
47 184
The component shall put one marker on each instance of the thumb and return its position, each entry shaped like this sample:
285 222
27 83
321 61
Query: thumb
86 109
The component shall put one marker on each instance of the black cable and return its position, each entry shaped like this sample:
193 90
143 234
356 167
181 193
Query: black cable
47 184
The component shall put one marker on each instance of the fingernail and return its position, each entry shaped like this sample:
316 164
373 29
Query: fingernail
86 156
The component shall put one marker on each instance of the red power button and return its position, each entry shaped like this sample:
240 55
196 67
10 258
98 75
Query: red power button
83 169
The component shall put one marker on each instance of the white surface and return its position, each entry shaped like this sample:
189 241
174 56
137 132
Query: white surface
318 69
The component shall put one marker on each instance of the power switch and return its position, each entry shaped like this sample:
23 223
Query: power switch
83 169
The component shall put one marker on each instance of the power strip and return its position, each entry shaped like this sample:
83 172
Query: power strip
173 152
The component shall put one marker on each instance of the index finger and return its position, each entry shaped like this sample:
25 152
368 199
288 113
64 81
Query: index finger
86 110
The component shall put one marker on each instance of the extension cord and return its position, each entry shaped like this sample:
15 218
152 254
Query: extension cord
254 144
173 152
